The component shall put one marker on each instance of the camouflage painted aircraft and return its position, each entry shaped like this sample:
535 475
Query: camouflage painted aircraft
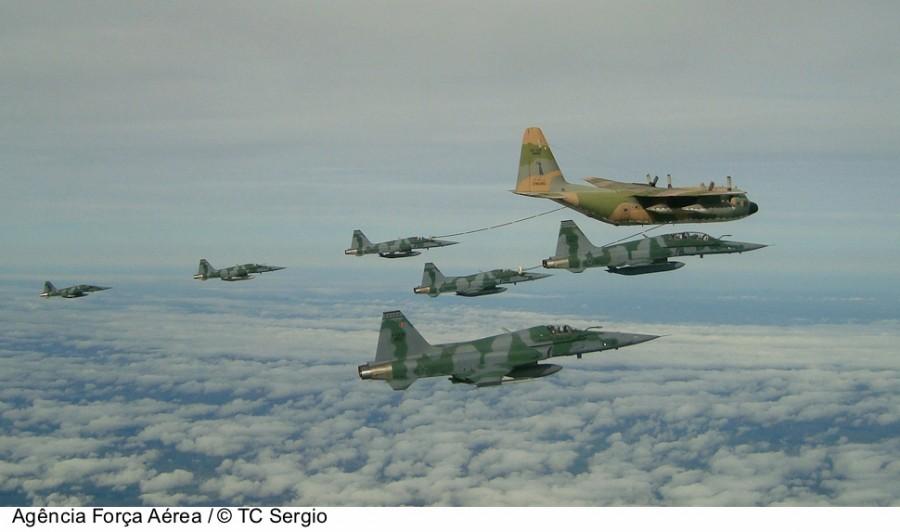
240 272
480 284
575 252
79 290
392 249
403 355
621 203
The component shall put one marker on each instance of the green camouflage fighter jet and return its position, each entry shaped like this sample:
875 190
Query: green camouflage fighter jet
403 355
480 284
392 249
240 272
620 203
79 290
575 252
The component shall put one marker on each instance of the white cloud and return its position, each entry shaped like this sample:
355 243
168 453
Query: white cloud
110 400
167 481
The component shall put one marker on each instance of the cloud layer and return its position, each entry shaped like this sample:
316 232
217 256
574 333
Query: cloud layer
210 402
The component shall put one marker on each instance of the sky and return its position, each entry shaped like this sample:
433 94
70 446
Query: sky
136 139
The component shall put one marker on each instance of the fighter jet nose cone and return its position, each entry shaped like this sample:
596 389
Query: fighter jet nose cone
641 338
633 339
753 208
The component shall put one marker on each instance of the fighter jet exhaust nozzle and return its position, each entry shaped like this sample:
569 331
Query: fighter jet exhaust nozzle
553 262
422 290
381 371
352 251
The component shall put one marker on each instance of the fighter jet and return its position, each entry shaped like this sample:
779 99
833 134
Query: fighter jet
619 203
240 272
480 284
575 252
403 355
79 290
392 249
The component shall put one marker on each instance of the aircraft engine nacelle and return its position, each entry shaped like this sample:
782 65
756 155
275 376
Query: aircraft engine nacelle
660 208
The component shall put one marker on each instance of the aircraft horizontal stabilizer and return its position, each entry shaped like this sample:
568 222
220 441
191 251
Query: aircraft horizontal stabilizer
547 195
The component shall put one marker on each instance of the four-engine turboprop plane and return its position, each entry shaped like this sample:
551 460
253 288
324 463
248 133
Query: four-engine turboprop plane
478 284
403 355
392 249
575 252
620 203
79 290
240 272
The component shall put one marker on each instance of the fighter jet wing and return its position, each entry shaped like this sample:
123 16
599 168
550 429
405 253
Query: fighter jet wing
470 292
547 195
